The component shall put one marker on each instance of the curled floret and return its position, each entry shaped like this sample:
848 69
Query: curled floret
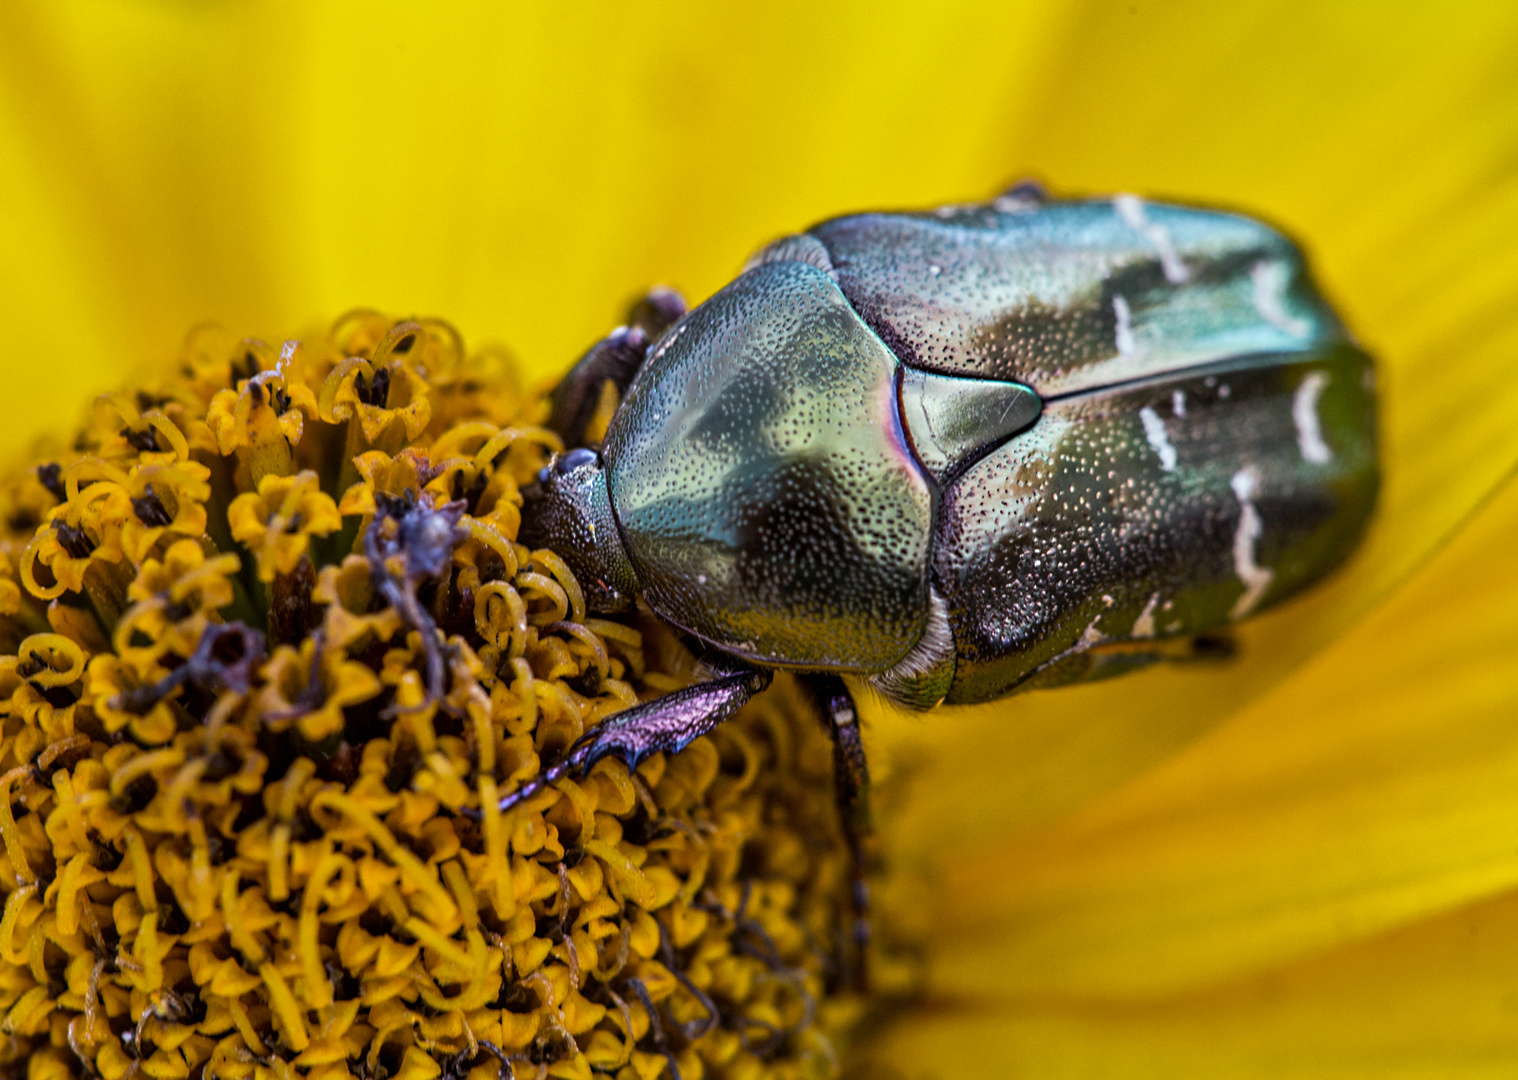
385 393
270 653
310 689
278 521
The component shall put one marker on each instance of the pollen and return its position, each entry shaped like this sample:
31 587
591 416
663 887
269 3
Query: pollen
270 655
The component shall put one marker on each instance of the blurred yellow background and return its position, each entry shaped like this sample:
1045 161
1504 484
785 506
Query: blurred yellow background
523 169
1273 835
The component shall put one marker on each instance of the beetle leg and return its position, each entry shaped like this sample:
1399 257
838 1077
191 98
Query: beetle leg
657 310
851 783
667 724
614 359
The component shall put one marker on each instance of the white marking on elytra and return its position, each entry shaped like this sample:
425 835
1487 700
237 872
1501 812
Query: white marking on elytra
1131 209
1126 346
1270 279
1143 626
1159 438
1255 577
1178 402
1091 637
1011 204
1304 413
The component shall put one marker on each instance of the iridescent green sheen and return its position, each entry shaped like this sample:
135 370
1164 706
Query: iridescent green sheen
1017 441
766 492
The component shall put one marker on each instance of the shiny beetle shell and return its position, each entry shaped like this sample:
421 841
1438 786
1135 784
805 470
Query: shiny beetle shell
764 483
954 452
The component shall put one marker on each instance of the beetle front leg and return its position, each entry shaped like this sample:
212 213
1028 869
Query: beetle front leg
668 724
614 359
851 783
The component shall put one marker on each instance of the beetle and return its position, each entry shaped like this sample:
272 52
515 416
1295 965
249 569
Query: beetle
959 453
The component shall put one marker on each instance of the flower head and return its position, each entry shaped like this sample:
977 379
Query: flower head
259 759
278 521
383 392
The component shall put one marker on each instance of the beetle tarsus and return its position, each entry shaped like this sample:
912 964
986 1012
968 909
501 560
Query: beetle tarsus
851 782
656 311
665 725
1028 191
615 359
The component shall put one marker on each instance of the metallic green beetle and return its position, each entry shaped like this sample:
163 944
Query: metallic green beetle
959 452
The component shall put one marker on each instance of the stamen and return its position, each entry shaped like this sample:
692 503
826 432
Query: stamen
74 540
150 510
51 476
376 393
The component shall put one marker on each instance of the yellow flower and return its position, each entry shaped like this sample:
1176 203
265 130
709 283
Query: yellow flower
112 681
348 592
387 475
385 395
174 600
297 865
68 547
278 522
263 415
1297 863
135 507
311 687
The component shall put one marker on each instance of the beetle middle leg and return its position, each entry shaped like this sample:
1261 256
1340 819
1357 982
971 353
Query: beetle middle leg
614 359
851 782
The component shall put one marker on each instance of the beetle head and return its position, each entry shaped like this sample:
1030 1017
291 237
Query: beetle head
569 510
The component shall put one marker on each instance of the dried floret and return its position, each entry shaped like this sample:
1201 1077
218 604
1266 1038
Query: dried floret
273 654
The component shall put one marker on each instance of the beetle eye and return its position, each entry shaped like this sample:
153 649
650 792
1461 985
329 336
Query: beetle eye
573 459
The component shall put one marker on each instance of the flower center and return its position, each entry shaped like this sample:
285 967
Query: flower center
252 774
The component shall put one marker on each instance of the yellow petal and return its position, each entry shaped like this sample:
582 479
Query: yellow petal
1310 114
1377 786
1433 999
523 170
